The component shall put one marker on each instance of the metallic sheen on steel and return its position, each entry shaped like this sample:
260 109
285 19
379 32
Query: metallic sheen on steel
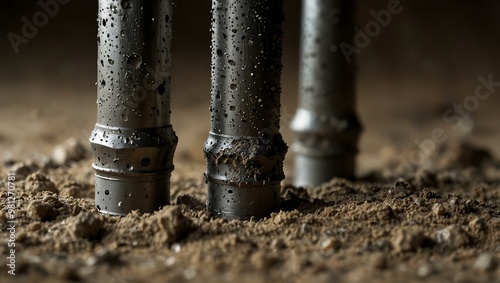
133 142
326 126
245 150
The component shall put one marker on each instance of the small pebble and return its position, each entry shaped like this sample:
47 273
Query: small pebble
176 247
438 210
330 244
485 262
425 270
189 274
170 261
453 236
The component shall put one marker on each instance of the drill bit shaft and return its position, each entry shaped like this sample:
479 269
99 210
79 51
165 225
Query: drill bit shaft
326 125
133 142
245 150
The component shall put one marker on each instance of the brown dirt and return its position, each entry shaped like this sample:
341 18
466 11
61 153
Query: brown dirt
435 224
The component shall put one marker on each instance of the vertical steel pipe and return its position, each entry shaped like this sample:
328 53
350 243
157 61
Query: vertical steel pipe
326 126
133 142
245 150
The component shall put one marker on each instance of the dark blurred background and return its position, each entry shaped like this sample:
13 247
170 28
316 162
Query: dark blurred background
424 61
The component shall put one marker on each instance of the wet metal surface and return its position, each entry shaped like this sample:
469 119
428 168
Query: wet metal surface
245 150
326 126
133 142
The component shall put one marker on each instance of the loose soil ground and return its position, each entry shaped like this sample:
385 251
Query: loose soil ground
438 223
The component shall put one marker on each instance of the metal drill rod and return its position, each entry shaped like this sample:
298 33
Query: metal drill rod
245 150
133 142
326 126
